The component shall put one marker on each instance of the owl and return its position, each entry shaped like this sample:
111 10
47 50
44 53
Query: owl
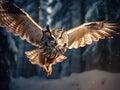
51 44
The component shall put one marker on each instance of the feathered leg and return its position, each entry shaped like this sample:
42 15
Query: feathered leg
47 69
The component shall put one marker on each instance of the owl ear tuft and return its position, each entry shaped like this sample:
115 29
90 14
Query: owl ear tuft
48 28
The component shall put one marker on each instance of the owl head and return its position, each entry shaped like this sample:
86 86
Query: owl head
58 37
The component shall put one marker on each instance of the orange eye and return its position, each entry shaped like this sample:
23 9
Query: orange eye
60 37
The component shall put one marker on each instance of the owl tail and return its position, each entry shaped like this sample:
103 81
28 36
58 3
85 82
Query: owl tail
33 56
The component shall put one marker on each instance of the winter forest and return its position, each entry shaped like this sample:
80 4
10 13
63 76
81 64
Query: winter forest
103 55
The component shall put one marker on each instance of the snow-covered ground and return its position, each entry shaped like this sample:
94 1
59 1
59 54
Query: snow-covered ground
90 80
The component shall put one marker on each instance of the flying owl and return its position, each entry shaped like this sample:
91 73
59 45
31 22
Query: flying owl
50 43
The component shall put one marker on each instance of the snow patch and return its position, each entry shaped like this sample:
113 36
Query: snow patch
90 80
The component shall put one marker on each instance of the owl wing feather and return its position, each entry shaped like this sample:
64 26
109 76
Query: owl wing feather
16 20
86 33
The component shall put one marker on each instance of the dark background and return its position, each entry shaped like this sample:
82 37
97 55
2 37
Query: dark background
103 55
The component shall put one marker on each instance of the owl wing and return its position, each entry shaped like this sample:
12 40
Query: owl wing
19 22
89 32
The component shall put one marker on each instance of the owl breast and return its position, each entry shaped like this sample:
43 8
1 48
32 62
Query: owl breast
50 50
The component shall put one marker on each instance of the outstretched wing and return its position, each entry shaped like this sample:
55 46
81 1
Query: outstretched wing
89 32
16 20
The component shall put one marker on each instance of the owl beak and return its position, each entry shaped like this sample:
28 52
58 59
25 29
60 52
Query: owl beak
55 43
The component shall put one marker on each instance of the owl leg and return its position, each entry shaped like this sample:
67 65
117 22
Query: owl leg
48 69
44 68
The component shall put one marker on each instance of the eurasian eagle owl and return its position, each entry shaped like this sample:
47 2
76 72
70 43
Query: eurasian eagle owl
50 44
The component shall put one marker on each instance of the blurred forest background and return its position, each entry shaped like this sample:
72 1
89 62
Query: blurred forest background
103 55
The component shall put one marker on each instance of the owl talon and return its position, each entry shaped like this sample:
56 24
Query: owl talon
49 70
49 73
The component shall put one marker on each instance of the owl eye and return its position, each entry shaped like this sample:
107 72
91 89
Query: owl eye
60 37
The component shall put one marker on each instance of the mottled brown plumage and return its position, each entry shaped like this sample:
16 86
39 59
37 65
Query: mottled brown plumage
51 44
